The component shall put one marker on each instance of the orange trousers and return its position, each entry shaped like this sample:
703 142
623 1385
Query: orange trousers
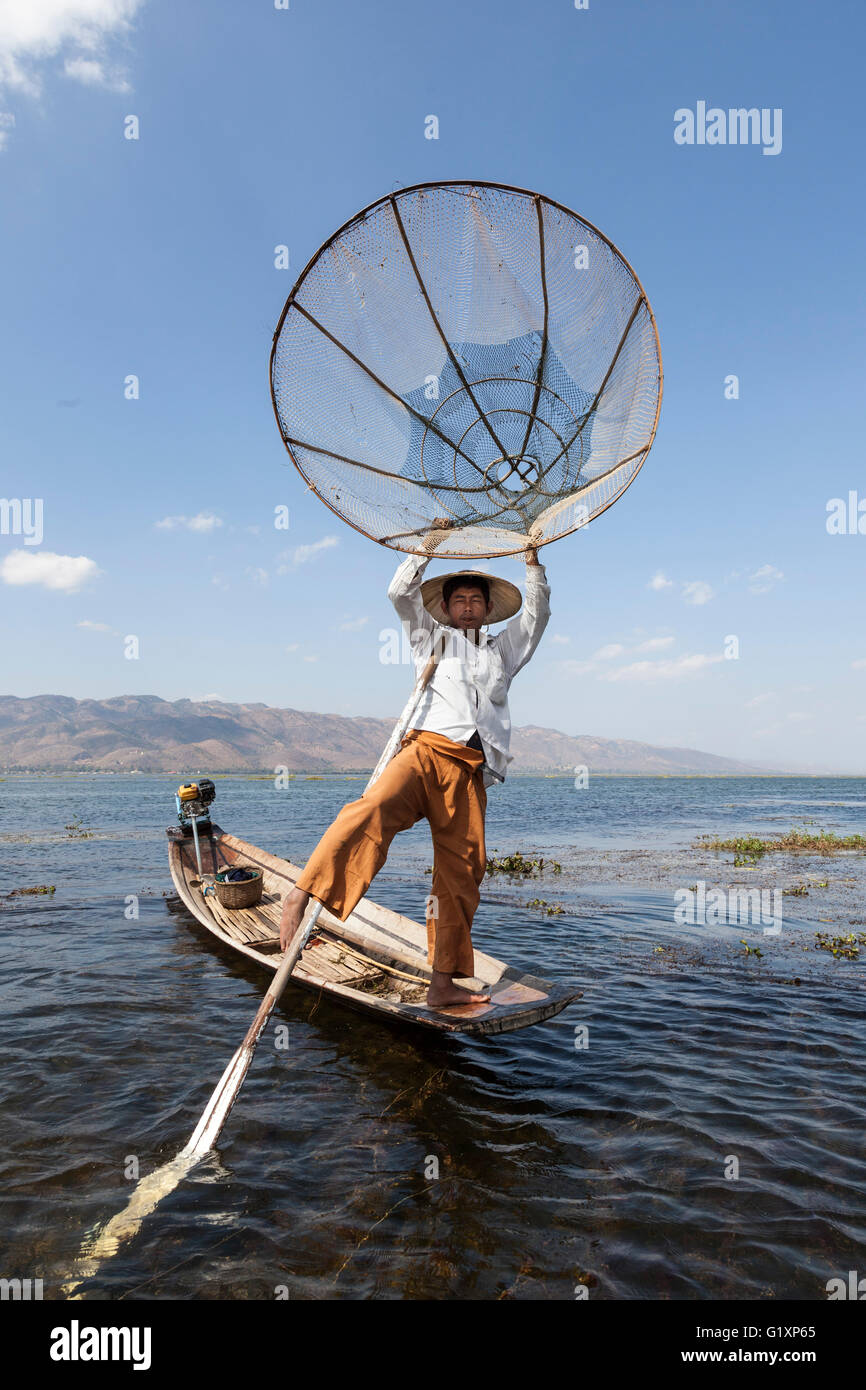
430 776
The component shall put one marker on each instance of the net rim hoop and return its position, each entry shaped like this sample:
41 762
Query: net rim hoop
362 215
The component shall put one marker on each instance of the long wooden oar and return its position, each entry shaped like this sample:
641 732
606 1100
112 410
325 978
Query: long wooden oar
216 1112
158 1184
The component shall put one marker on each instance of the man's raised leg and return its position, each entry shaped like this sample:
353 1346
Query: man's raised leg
294 907
354 847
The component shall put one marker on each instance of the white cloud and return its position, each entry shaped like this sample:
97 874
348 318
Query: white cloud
662 670
302 553
35 33
609 652
93 627
798 717
311 658
859 664
92 73
202 522
659 581
354 625
697 592
559 639
258 576
647 671
757 700
655 644
292 647
64 572
764 579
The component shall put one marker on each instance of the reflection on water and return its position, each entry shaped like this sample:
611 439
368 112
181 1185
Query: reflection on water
368 1161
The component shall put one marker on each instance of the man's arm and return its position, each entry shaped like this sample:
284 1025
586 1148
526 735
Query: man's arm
405 593
519 639
404 590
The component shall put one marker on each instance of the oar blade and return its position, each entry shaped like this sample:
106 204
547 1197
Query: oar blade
217 1110
107 1240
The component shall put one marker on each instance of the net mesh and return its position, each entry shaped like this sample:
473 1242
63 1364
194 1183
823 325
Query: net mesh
469 352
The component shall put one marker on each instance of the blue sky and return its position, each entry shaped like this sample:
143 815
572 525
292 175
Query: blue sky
261 127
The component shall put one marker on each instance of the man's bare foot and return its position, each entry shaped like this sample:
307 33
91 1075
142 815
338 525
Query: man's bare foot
443 993
294 907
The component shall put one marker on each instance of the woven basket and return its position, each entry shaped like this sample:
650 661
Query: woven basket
246 893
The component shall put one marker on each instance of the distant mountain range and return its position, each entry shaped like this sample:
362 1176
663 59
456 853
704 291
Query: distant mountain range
53 733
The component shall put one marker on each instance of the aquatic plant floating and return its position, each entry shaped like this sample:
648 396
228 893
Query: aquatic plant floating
469 351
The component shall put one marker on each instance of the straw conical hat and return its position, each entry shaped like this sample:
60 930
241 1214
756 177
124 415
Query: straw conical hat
506 599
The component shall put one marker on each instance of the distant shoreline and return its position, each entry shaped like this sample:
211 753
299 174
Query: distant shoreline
360 773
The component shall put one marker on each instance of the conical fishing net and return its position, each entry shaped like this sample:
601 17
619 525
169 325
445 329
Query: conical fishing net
471 352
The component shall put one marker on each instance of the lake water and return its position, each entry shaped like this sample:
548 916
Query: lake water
707 1143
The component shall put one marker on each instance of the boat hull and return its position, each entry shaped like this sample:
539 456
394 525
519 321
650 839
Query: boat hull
375 961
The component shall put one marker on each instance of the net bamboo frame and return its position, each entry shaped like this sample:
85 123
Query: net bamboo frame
470 351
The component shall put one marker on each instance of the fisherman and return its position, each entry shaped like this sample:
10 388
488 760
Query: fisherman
456 749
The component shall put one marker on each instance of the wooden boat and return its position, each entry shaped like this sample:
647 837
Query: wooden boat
375 961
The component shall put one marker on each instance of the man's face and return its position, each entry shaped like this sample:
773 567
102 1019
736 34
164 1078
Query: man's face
467 608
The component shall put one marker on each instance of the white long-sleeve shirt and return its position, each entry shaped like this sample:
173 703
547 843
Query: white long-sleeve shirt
469 686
